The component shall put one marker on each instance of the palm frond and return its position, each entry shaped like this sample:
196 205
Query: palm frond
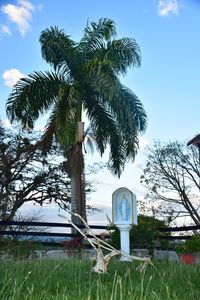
106 132
121 101
117 156
46 141
121 54
117 55
95 34
124 104
57 48
33 95
103 79
137 117
67 116
116 121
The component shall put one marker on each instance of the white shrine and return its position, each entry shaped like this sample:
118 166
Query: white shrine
124 214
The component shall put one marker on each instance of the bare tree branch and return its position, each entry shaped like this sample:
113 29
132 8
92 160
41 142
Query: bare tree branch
172 176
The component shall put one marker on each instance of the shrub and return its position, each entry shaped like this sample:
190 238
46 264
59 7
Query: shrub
144 235
74 244
19 249
190 246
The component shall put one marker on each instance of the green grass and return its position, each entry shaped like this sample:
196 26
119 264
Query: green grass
72 279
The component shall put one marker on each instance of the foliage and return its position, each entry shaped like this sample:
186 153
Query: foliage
190 246
172 176
74 244
73 280
142 236
18 249
145 235
27 175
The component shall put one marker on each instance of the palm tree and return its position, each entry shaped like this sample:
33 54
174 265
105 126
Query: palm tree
84 76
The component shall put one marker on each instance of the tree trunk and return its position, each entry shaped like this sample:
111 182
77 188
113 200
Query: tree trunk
78 204
191 209
75 169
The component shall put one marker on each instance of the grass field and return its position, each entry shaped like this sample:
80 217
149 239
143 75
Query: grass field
72 279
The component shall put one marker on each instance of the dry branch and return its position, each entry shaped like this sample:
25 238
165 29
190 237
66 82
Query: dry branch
102 260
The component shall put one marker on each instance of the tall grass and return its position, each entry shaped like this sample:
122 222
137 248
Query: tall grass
62 280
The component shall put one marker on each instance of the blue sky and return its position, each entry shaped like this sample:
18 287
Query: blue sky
168 33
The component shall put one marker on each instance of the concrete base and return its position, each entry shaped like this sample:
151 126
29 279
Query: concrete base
140 252
124 240
166 255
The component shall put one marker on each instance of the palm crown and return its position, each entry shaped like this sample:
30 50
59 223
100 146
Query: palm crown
84 77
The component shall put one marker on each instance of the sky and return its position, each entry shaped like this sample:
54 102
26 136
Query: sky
167 83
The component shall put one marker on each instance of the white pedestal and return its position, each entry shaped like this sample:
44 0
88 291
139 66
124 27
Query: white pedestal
125 240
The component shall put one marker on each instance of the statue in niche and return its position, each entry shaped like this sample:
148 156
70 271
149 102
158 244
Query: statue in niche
124 208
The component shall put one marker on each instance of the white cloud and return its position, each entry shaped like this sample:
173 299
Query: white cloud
12 76
166 7
114 183
19 14
5 30
143 142
26 4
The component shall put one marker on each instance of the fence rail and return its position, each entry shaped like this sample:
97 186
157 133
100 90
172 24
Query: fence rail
15 232
35 233
183 228
177 229
174 237
18 232
47 224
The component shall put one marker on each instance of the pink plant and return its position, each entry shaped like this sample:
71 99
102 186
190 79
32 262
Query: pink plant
73 244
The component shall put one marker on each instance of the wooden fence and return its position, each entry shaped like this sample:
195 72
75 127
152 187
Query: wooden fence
178 229
15 232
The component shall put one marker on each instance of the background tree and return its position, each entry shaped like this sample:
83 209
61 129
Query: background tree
85 77
145 235
27 175
23 218
172 177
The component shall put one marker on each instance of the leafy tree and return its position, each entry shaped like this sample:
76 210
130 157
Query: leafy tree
145 235
190 246
172 177
85 76
26 175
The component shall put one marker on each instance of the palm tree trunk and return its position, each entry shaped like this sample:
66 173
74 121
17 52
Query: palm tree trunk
76 166
75 197
78 202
